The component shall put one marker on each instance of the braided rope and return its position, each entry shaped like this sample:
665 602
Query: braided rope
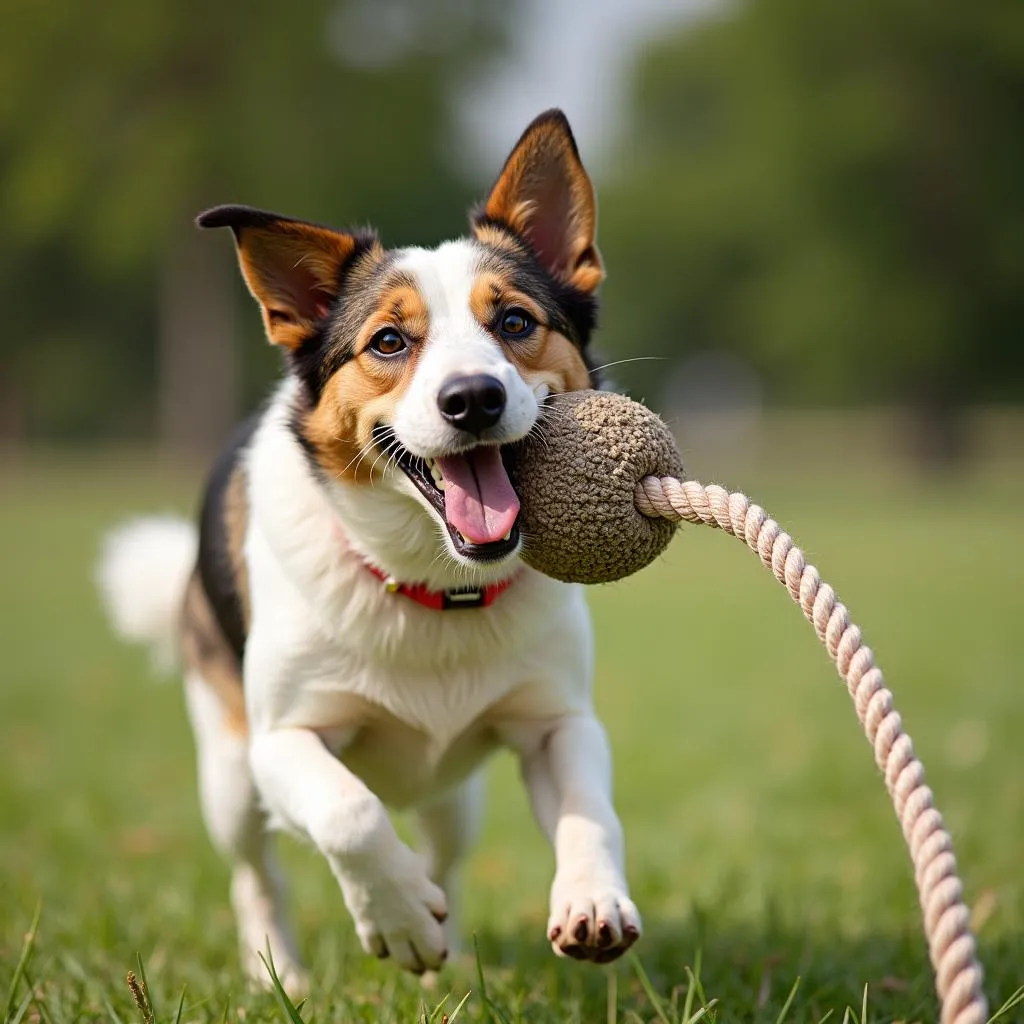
958 974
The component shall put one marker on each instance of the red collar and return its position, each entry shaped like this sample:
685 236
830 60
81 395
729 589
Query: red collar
443 600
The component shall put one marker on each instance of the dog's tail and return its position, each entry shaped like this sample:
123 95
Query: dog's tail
143 570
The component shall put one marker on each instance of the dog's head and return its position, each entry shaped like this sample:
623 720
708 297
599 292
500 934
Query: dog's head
418 366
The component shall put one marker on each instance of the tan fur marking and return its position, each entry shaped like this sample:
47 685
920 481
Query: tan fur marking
495 238
402 307
490 292
208 655
236 523
559 365
366 390
545 357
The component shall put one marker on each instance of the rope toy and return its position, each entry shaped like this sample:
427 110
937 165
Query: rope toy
602 489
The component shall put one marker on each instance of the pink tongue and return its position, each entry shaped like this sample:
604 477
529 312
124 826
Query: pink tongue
478 497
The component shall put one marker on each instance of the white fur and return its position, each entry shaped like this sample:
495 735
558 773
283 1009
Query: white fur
142 572
237 825
457 345
357 698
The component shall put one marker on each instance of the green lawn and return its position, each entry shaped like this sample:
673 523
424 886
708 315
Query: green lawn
762 847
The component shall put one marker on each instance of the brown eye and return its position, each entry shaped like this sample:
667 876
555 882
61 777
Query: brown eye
516 323
388 342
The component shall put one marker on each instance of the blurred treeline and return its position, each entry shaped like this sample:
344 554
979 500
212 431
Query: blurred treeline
831 195
835 193
120 121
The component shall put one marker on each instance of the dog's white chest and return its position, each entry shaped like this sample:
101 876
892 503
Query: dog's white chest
405 766
414 713
409 735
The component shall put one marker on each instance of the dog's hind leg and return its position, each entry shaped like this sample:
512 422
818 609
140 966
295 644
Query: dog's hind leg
237 827
448 825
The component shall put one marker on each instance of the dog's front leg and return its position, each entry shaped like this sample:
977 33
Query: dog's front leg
567 769
397 910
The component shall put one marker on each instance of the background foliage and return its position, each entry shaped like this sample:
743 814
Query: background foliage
833 193
828 194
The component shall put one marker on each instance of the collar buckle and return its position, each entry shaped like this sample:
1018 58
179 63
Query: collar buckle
467 598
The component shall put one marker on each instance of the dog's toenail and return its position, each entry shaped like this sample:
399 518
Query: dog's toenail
554 933
604 935
581 929
631 932
441 917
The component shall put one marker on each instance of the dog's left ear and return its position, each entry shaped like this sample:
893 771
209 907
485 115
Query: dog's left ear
292 268
544 195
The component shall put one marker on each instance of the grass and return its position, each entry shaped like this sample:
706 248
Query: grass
762 849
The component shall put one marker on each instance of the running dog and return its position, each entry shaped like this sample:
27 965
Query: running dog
356 628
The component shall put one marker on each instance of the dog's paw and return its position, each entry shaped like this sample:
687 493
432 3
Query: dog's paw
399 912
592 919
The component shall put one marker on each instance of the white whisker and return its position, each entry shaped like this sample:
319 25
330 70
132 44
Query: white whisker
359 456
633 359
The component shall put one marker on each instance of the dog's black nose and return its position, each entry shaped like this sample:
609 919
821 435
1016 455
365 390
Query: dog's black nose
472 403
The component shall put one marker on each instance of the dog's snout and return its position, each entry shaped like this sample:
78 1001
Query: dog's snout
472 403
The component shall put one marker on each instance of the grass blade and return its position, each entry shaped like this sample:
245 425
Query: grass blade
1015 1000
496 1014
22 1009
698 964
40 1003
458 1009
26 953
114 1015
691 994
788 1003
285 1004
701 1013
649 989
181 1006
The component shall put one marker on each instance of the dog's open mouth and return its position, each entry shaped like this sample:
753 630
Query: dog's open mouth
471 492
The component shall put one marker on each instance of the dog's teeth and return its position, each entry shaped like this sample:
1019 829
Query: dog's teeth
508 536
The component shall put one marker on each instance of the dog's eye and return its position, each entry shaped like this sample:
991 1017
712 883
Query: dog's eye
388 342
516 323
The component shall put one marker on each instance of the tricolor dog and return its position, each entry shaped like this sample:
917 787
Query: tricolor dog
356 628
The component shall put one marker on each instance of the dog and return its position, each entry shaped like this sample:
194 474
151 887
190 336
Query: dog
356 628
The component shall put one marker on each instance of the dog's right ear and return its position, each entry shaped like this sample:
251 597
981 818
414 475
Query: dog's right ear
544 195
292 268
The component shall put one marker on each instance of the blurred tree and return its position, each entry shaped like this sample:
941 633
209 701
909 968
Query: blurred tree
834 192
119 122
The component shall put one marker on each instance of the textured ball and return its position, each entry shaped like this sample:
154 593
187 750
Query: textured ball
575 477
